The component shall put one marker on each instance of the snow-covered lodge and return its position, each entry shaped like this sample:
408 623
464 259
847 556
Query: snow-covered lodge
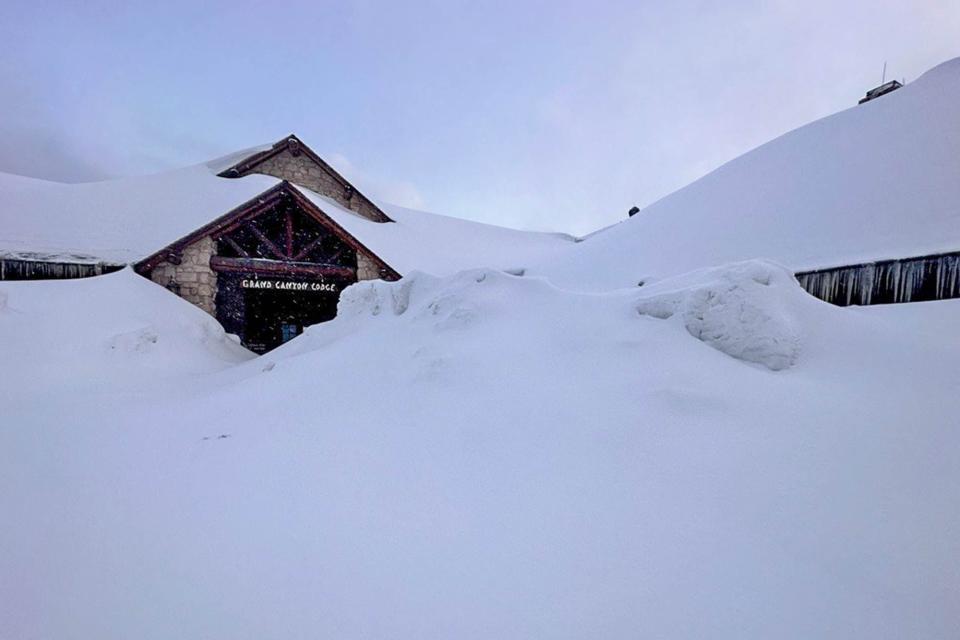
277 262
264 240
266 266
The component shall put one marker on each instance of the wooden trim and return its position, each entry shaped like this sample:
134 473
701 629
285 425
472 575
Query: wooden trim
386 270
249 163
224 224
277 268
313 244
264 205
289 224
236 246
265 240
254 207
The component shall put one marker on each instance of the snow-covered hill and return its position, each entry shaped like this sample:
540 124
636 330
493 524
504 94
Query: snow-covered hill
879 180
481 456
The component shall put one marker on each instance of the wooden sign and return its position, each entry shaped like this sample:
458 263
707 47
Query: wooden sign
287 285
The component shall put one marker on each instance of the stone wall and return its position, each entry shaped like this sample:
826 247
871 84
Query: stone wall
367 269
302 170
192 279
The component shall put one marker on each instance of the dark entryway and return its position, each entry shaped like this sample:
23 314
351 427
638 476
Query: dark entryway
274 317
278 272
267 311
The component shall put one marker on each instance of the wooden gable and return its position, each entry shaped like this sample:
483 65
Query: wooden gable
291 160
280 231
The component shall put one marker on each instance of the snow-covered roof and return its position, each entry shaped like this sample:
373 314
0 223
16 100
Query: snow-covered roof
117 221
880 180
443 245
126 220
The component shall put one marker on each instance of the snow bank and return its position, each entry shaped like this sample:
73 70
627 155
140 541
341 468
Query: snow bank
477 456
743 310
107 327
747 311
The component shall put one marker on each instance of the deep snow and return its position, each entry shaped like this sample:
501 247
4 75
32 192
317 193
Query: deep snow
477 456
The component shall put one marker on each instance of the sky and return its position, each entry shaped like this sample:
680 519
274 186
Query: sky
536 115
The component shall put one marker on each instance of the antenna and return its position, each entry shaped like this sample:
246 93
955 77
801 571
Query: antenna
884 77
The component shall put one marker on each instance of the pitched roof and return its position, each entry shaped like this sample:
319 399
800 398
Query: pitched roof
256 206
248 164
115 221
126 220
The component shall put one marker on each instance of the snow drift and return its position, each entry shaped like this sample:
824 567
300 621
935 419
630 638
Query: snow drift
731 310
93 330
726 308
477 456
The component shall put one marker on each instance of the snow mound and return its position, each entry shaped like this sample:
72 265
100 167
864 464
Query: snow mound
744 311
444 303
748 311
478 456
109 326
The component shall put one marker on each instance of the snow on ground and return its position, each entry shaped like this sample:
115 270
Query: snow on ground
478 456
876 181
105 329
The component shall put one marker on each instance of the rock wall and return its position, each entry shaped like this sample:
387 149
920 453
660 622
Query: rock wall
300 169
367 269
192 279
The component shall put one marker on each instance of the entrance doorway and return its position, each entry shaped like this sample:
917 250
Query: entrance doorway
268 312
273 317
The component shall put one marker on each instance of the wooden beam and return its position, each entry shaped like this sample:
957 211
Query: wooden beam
236 247
310 247
289 220
386 271
224 224
279 268
240 215
263 238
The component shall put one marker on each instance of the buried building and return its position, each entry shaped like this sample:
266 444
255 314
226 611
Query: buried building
265 268
268 268
276 263
264 240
